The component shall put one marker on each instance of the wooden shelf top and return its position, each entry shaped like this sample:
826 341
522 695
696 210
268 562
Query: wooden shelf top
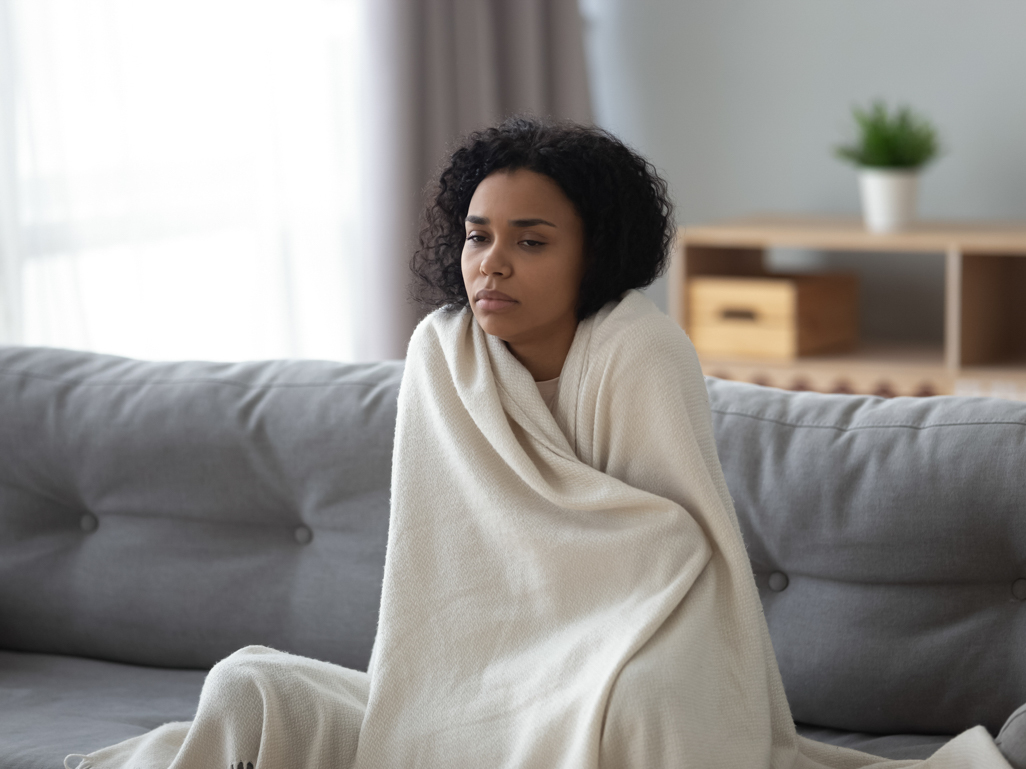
842 233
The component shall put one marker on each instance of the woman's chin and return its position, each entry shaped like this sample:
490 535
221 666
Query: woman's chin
496 326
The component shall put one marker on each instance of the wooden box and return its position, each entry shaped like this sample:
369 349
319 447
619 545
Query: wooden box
780 317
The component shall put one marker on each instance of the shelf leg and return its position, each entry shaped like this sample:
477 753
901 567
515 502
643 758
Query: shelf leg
953 308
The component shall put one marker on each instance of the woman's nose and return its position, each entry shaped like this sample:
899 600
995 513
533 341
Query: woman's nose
495 262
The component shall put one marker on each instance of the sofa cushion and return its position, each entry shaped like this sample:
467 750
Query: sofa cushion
885 745
51 706
170 513
888 540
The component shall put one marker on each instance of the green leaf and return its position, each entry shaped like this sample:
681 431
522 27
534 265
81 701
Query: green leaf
898 139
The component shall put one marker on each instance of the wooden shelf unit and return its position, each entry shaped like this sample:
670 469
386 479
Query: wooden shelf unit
984 349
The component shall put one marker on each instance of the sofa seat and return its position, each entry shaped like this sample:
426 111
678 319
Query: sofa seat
52 705
886 745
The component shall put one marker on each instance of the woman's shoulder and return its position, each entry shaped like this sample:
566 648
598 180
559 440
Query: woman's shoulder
635 334
438 327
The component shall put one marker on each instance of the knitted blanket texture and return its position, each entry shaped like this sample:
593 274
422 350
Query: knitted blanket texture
562 590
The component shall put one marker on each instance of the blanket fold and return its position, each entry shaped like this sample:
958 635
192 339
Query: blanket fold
563 590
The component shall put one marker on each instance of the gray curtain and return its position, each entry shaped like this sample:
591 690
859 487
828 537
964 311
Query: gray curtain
437 69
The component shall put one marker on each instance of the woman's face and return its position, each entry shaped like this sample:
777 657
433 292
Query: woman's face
523 260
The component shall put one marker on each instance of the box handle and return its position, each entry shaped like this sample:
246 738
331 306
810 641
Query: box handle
734 313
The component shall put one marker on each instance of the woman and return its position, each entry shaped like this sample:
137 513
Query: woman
565 582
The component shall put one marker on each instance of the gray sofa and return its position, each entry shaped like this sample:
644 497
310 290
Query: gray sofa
154 517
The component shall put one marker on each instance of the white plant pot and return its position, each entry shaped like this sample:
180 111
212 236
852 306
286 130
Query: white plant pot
888 198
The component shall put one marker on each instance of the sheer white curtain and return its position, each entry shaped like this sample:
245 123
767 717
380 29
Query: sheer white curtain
180 178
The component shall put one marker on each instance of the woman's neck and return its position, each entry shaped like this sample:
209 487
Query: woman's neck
544 358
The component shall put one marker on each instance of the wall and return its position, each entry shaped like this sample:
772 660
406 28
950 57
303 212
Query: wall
739 103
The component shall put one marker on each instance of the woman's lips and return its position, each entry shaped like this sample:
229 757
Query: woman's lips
494 301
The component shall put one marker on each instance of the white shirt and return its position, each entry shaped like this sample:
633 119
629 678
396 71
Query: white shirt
548 390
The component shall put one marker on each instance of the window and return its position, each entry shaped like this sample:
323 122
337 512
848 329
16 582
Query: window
185 176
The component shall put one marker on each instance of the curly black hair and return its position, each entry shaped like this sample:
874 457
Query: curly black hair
620 197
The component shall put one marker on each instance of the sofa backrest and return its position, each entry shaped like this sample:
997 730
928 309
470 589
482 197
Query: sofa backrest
888 540
169 513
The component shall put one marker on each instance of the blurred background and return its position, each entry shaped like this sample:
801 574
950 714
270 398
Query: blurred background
231 180
740 103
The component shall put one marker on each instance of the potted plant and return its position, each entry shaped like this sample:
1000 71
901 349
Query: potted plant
891 149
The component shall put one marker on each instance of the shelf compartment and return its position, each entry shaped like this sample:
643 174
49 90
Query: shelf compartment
778 316
993 309
984 349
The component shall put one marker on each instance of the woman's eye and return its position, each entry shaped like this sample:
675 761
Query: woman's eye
532 243
475 238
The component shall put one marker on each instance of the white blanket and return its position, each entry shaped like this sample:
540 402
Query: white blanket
561 591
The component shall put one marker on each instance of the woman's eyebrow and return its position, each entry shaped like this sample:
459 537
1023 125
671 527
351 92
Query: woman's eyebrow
529 222
513 222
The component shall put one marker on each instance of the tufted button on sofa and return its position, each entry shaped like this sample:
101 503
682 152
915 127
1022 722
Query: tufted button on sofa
155 517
